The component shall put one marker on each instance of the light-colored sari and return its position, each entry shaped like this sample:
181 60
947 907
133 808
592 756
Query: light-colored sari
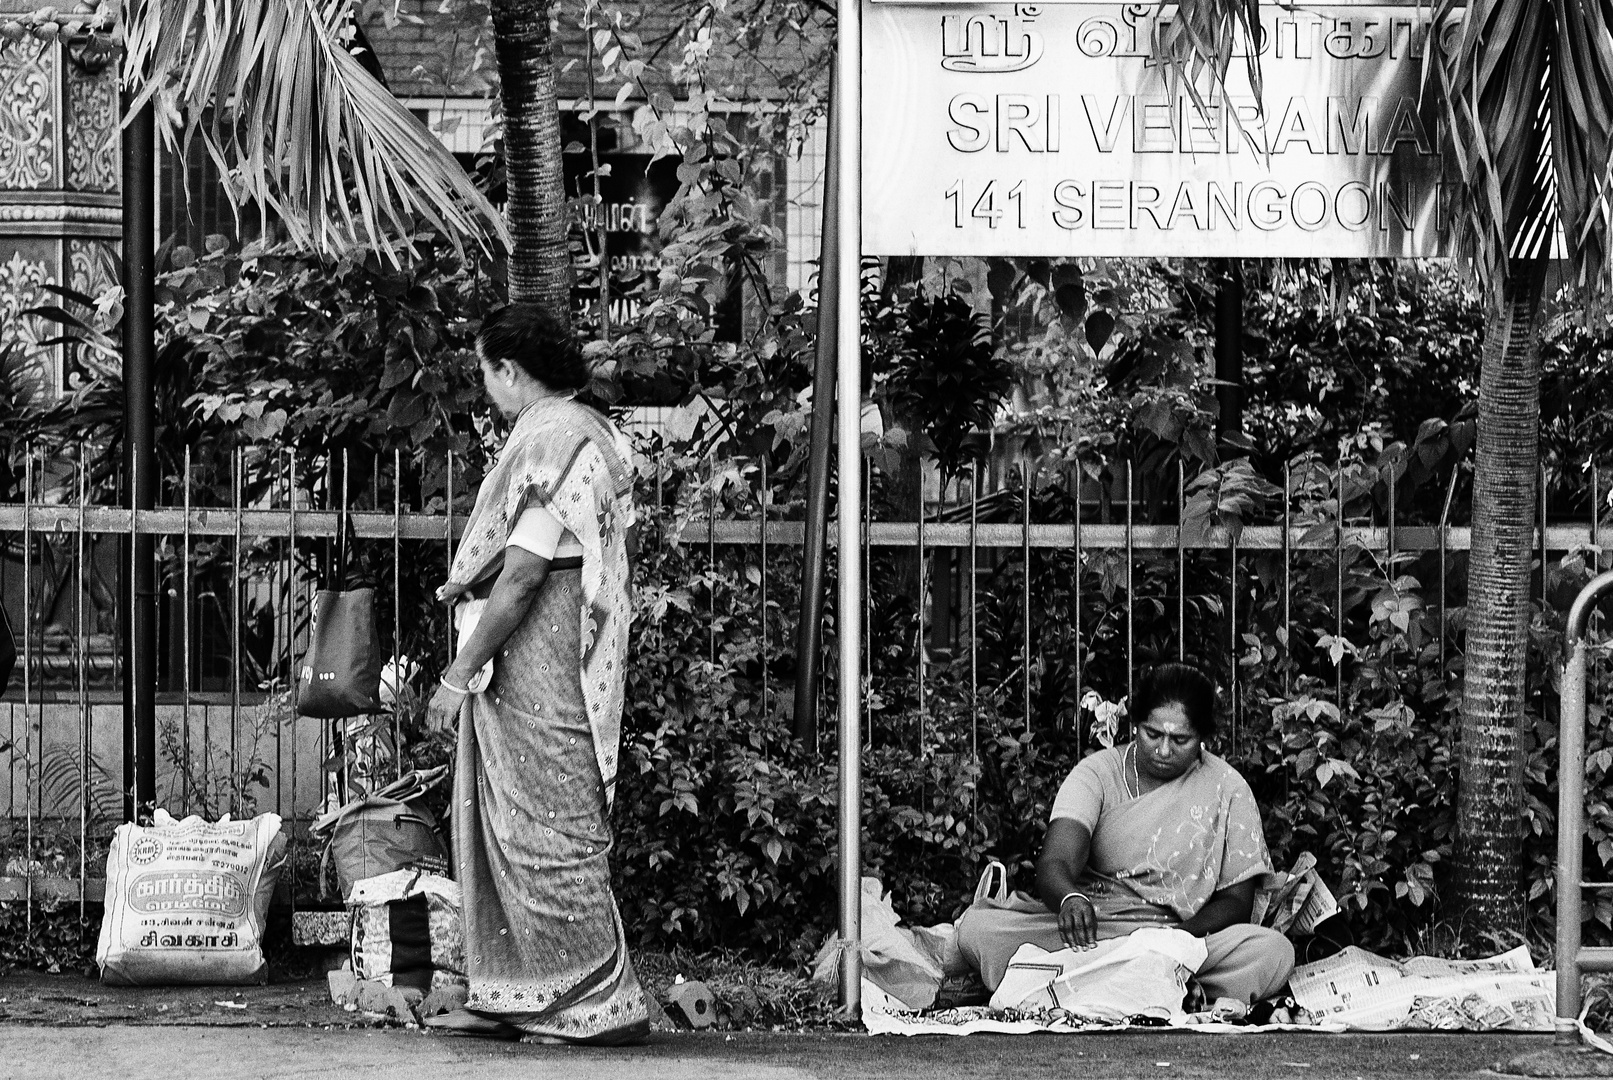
536 774
1155 860
1159 857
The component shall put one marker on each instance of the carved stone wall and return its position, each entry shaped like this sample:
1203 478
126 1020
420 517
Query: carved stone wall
60 208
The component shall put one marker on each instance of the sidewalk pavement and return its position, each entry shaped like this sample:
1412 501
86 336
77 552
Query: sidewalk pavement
64 1026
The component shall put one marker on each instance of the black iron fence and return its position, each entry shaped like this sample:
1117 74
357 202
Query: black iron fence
237 582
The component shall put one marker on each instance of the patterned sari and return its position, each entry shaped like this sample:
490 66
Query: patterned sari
536 773
1160 856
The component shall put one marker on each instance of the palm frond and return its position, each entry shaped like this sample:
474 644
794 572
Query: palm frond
1202 38
297 125
1502 120
1581 140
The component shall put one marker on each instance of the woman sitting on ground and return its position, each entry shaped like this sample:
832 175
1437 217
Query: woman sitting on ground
1157 832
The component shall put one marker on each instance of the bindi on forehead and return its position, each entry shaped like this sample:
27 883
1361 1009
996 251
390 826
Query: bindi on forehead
1170 719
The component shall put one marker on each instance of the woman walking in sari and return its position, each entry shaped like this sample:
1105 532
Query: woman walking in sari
538 741
1159 832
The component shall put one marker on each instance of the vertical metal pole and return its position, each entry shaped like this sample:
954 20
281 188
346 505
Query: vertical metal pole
867 555
237 467
1131 594
974 613
139 591
1544 559
1232 634
30 778
766 711
448 537
27 617
397 608
293 592
1596 518
277 580
1181 560
1393 547
186 774
923 597
1544 554
1080 567
711 557
343 561
847 167
1288 581
1338 587
80 648
1025 594
814 553
1571 810
1570 841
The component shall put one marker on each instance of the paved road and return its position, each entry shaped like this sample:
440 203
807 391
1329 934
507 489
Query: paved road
72 1027
170 1052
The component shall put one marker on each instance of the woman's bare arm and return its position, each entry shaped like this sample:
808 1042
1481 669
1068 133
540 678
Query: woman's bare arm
507 605
1228 907
1064 858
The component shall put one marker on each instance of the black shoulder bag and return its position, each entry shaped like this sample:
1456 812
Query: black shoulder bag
341 672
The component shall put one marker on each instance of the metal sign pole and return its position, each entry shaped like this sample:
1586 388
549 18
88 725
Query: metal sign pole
1572 957
848 613
139 588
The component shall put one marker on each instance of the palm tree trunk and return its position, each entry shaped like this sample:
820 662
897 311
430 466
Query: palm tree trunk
1489 821
540 264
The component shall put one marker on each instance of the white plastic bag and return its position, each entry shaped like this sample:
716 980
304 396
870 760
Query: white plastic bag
891 959
1142 974
186 900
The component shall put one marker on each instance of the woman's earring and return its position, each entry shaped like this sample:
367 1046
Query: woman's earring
509 381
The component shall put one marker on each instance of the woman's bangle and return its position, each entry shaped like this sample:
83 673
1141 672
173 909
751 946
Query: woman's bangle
465 690
1066 899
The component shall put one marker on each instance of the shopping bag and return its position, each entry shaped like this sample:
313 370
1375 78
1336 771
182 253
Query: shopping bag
341 671
890 958
1143 974
406 930
381 833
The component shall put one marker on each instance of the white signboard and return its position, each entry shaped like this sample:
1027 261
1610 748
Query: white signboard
1021 129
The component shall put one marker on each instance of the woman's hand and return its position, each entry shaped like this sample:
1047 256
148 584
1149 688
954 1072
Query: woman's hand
1078 922
443 712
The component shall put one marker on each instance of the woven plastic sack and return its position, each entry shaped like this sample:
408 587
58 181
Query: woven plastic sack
186 901
406 930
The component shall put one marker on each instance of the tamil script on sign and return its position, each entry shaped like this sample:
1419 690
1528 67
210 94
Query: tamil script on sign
1007 129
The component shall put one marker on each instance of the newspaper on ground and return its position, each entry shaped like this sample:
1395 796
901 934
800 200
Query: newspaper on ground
1367 992
886 1015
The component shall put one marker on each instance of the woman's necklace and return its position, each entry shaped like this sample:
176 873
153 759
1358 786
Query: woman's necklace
1134 784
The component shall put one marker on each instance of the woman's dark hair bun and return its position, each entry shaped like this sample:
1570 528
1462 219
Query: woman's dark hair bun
532 339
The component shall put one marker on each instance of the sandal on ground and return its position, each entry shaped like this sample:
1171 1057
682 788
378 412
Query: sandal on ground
465 1022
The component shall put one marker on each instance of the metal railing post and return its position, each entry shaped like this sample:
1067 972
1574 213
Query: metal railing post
1571 812
848 613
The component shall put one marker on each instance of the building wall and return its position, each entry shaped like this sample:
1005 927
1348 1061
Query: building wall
60 212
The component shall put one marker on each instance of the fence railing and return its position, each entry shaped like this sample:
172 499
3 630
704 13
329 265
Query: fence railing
229 740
